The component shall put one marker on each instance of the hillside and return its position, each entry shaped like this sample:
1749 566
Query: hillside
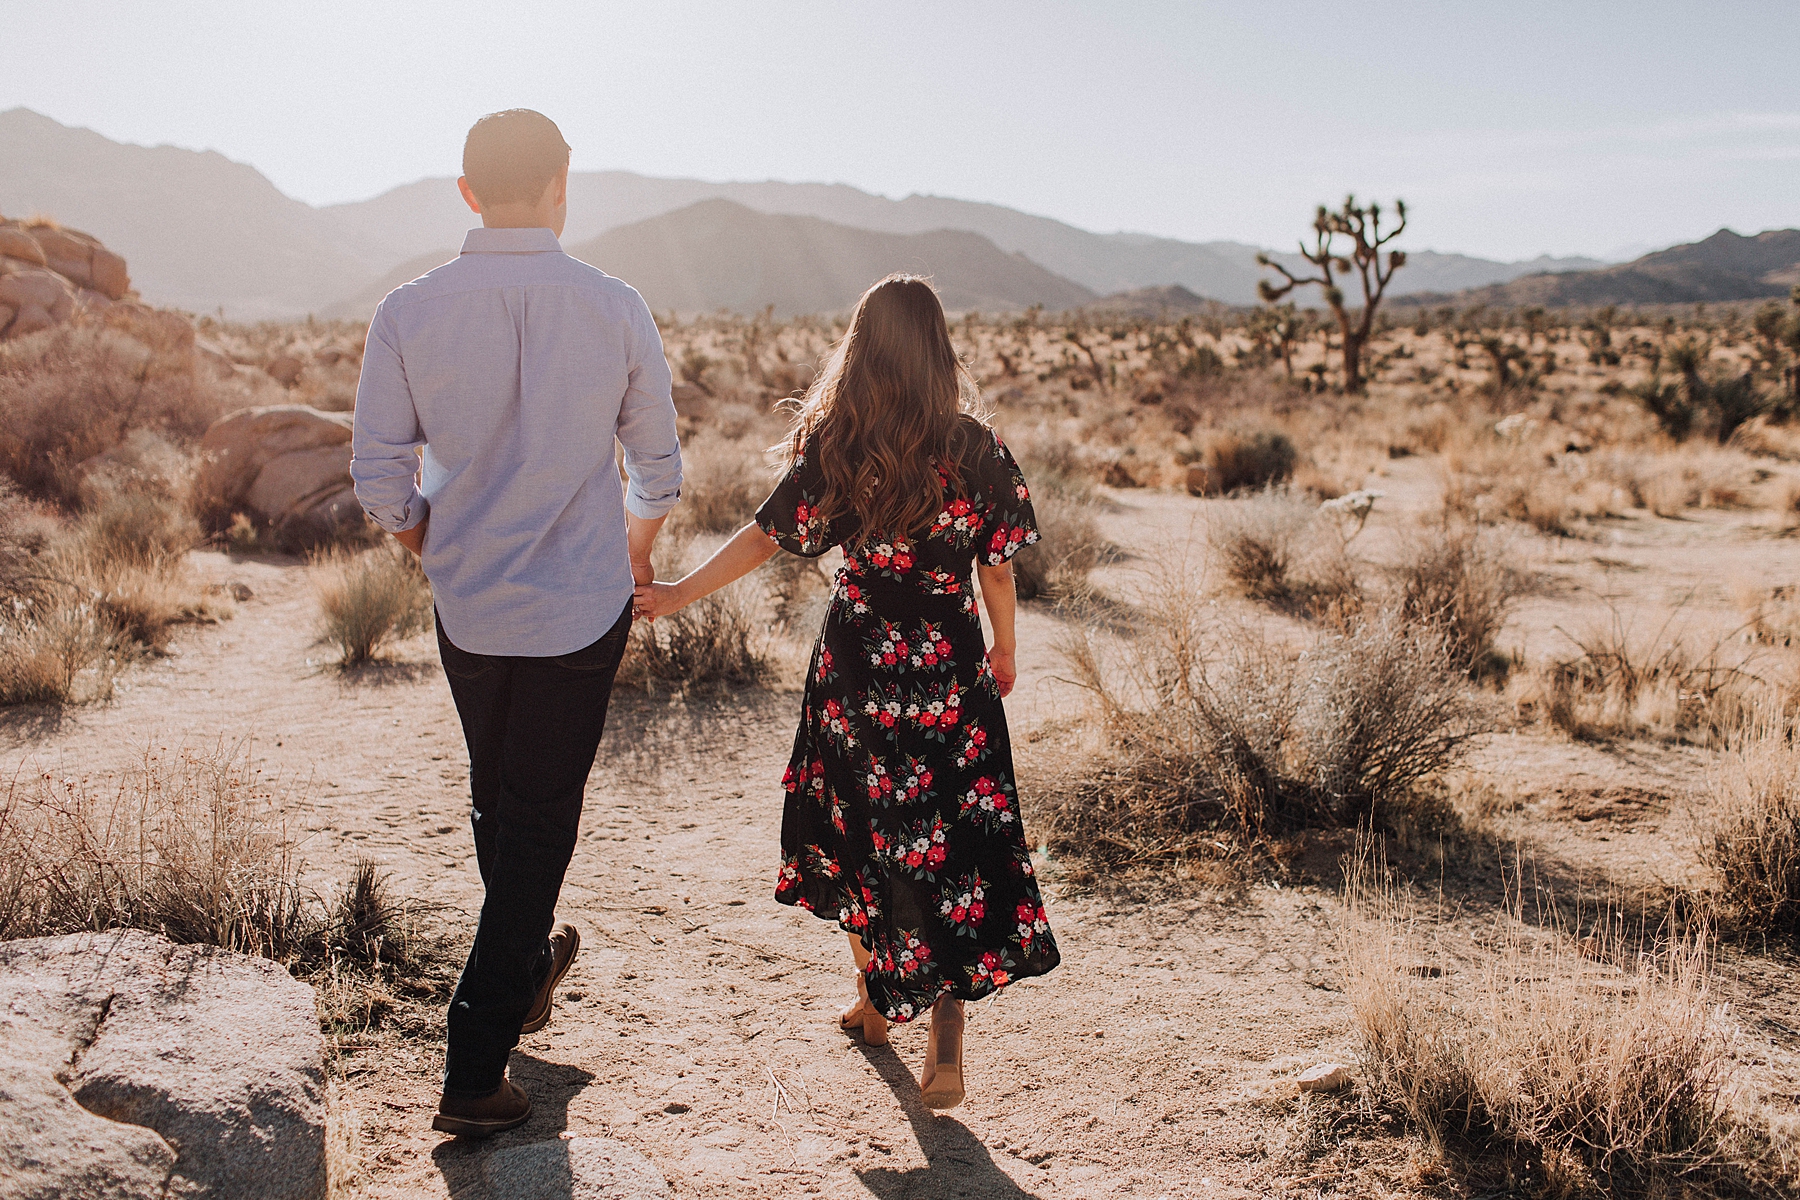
199 230
1726 266
716 254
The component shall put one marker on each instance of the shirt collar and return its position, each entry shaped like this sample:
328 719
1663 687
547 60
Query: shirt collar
511 241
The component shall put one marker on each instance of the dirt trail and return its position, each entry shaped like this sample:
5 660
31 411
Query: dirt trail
698 1025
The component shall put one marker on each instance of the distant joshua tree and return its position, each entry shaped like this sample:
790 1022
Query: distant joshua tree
1362 225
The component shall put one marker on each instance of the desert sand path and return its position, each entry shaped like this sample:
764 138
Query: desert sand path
698 1024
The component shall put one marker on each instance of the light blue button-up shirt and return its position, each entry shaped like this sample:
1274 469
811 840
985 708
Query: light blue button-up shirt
515 367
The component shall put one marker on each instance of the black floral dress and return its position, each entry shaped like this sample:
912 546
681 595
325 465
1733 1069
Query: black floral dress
902 817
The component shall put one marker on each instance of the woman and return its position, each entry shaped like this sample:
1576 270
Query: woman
902 820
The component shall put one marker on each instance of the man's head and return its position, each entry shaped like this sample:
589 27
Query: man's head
516 170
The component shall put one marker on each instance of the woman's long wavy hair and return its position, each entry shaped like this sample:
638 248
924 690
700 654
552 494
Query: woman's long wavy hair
887 417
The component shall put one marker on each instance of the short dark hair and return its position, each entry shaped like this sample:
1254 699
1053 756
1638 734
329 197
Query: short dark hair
513 155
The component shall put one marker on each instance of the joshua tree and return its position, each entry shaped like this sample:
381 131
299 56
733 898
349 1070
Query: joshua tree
1362 225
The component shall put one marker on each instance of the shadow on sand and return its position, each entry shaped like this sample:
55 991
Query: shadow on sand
957 1163
552 1086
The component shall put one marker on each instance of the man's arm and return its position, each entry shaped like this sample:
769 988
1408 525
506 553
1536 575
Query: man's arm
385 438
646 430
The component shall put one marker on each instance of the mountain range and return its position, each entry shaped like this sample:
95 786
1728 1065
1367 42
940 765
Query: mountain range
1725 266
203 233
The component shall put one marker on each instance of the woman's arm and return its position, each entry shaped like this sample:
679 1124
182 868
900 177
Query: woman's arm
1001 602
748 549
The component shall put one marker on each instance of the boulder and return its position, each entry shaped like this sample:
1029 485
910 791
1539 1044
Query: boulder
575 1168
87 274
16 243
1323 1077
135 1067
41 289
286 464
284 369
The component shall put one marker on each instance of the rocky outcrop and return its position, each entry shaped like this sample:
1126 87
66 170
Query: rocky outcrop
48 274
286 465
130 1066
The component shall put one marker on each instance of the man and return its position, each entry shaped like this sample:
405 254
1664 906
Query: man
515 368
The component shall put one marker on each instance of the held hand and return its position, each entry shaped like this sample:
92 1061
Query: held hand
653 600
642 572
1006 671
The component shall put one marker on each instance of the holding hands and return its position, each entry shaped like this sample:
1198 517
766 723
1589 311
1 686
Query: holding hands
653 599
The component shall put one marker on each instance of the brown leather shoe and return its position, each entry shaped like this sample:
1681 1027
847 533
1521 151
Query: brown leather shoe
565 943
506 1108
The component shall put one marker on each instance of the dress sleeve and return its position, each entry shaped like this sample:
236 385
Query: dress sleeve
791 513
1008 518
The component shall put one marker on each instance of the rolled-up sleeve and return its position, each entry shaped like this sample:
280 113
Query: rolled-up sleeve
647 424
384 461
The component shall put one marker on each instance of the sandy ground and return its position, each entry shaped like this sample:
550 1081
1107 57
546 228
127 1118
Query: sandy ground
698 1024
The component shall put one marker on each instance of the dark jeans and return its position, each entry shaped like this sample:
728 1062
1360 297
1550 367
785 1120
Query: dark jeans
533 726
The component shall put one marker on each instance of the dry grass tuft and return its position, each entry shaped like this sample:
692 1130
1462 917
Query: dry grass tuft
1750 827
79 597
190 844
370 599
1602 1063
1621 684
1456 580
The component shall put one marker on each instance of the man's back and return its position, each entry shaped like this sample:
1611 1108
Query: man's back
516 366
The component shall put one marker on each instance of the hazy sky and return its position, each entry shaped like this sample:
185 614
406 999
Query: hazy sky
1512 127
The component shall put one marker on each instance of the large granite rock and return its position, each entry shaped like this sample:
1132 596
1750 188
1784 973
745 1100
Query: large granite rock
131 1067
286 464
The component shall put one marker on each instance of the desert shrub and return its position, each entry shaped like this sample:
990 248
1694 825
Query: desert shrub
370 599
79 596
717 641
1069 547
79 391
1750 833
723 483
189 844
1605 1061
1234 461
1208 728
1258 541
1457 581
1273 546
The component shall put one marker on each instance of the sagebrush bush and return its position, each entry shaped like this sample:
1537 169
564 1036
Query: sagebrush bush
1233 461
1259 540
715 642
370 599
1208 727
723 482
